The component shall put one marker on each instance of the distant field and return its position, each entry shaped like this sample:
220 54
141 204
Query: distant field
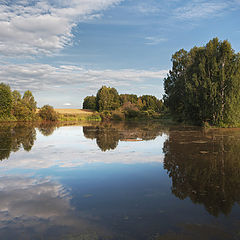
74 111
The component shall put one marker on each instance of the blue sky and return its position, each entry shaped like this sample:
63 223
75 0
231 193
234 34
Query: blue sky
65 50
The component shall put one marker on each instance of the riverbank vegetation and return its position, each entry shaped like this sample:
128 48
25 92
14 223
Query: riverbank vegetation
14 107
114 106
202 88
17 108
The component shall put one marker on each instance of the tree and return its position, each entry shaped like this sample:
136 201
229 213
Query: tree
5 101
174 84
29 101
107 99
132 98
90 103
19 110
150 102
204 84
48 113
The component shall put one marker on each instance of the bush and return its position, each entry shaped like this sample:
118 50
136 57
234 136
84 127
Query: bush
89 103
47 113
131 113
118 116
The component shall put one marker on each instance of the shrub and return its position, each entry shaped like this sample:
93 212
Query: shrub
47 113
131 113
89 103
118 116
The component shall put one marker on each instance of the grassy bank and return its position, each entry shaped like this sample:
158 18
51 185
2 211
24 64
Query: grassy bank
77 115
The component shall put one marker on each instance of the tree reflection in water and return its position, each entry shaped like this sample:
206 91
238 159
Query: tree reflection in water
205 166
16 136
109 134
47 129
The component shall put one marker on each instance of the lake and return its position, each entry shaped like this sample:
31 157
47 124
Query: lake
119 181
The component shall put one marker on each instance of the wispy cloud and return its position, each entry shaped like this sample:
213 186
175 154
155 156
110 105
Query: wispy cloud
204 9
154 40
43 27
40 77
147 8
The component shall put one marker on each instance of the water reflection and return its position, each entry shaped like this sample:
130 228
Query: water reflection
47 129
16 136
13 137
108 135
205 166
37 208
120 194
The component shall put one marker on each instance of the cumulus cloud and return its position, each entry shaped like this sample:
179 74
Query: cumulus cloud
43 27
39 77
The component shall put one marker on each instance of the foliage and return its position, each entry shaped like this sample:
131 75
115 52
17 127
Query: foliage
118 115
20 109
107 99
151 102
90 103
132 98
204 84
48 113
5 101
94 117
113 106
29 100
13 107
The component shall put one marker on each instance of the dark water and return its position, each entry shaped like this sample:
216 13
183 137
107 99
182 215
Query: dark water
119 181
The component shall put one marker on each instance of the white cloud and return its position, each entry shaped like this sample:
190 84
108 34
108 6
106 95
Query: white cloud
202 9
154 40
43 27
39 77
67 104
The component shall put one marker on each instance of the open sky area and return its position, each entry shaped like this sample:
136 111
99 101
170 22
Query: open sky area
64 50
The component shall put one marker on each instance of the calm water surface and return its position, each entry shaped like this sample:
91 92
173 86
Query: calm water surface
119 182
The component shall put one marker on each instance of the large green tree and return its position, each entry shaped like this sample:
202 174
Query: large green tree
19 110
29 101
107 99
5 101
204 84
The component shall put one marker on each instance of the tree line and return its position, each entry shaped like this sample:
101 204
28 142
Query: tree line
15 107
109 102
203 85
